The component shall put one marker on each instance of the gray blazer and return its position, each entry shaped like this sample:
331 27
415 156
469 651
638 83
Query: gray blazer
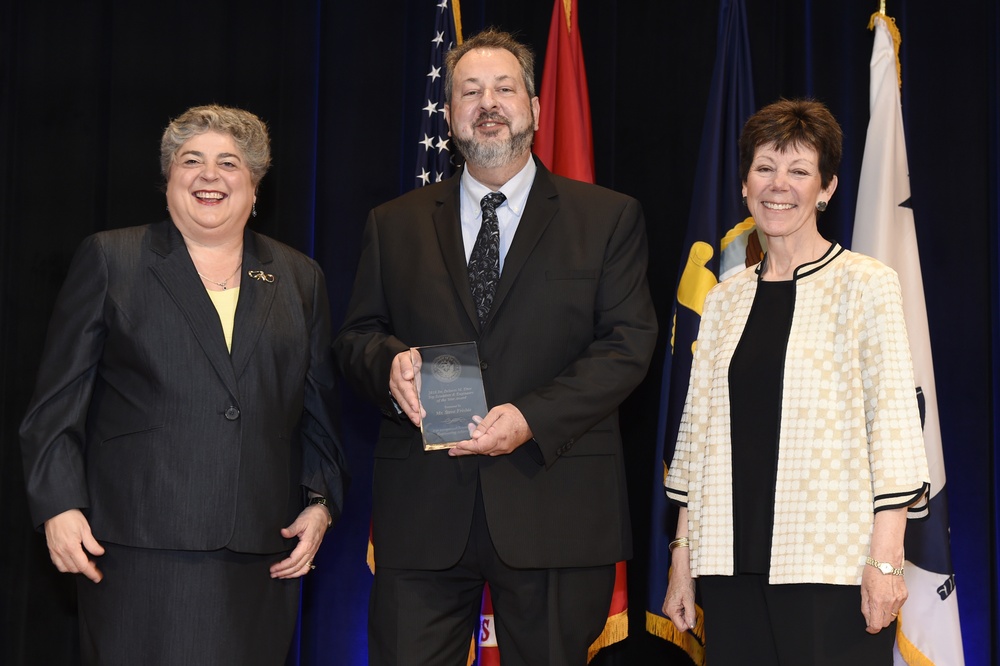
142 418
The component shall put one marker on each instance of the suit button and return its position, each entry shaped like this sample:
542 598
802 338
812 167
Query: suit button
232 413
483 365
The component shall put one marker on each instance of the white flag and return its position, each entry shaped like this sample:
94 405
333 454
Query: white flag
928 630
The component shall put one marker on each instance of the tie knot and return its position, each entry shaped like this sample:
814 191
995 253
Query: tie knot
492 200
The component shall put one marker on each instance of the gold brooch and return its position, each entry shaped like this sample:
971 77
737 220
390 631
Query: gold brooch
261 275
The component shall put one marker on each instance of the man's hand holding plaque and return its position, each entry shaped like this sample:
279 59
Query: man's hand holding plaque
450 393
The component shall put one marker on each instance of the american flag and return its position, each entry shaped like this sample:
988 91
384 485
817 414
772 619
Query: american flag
434 157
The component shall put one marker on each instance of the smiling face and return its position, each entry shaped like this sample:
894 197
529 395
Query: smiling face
492 119
210 192
782 188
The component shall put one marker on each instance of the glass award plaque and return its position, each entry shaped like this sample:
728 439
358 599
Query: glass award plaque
449 385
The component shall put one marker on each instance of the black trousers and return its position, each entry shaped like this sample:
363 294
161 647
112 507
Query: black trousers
541 616
748 621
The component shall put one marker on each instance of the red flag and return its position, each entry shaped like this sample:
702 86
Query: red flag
615 628
563 141
565 145
489 655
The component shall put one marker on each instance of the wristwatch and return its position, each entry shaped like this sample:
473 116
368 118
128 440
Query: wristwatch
884 567
319 499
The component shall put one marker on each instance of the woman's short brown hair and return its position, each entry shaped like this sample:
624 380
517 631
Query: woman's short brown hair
790 123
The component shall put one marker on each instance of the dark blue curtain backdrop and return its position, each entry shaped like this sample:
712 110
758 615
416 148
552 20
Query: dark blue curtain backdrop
87 87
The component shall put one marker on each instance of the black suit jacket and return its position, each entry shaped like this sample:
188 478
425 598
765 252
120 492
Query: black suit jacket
143 418
570 334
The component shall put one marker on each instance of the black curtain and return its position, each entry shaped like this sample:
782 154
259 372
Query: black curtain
88 86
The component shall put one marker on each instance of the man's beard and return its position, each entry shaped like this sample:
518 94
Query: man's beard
495 154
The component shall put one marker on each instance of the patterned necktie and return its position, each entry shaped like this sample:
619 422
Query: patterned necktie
484 264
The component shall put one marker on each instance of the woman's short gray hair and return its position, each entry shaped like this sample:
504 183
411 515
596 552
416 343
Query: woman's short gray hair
247 130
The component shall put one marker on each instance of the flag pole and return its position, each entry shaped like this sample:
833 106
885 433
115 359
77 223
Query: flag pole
456 12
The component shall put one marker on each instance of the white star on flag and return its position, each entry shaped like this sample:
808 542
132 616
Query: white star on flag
435 165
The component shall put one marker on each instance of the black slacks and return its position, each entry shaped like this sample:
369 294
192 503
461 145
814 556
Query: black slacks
748 621
541 616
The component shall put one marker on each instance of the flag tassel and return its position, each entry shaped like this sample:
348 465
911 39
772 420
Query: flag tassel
897 39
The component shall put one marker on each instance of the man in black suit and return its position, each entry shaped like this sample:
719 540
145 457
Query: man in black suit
534 502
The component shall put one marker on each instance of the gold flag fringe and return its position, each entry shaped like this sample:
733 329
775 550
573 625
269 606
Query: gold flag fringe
663 628
615 630
692 642
910 653
890 23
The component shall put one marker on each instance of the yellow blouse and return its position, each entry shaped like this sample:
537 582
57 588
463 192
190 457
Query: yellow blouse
225 303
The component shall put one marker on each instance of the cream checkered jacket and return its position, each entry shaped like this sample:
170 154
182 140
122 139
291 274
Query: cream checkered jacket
850 438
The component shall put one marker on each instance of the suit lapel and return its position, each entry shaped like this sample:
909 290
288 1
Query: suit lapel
448 225
258 286
176 272
541 206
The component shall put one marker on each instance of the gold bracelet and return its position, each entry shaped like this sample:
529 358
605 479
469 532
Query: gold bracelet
680 542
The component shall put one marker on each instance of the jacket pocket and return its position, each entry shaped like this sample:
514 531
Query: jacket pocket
595 443
396 439
580 274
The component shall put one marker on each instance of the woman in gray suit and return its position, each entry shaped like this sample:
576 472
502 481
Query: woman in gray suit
181 450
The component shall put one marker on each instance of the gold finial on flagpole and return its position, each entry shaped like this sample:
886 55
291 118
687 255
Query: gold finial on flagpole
881 7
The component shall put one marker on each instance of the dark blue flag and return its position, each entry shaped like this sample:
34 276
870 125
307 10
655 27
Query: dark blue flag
720 241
